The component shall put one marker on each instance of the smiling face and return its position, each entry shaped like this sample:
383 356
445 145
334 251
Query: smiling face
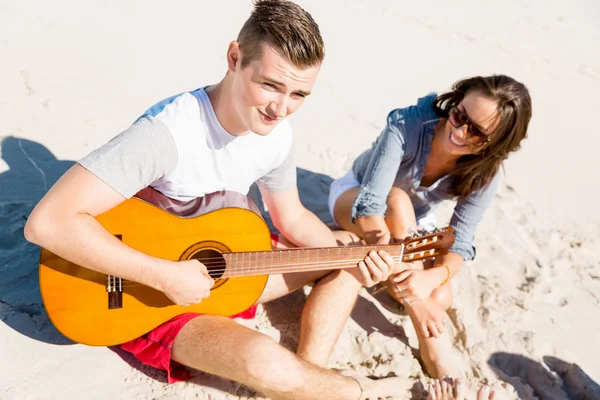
268 89
482 114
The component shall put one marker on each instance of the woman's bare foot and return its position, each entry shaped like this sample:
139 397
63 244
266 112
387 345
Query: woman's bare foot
443 390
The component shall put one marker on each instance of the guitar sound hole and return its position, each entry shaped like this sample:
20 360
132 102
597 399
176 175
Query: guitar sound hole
213 260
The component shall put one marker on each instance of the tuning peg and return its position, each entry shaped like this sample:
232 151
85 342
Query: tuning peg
412 233
426 229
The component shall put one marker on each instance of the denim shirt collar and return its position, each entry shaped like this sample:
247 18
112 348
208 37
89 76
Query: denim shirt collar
429 125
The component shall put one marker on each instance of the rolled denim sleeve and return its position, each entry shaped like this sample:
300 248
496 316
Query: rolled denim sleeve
379 176
467 215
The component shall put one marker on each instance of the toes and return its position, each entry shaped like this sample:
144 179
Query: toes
447 386
460 389
444 386
438 389
456 389
431 391
484 393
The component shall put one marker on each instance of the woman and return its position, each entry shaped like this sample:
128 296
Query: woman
446 147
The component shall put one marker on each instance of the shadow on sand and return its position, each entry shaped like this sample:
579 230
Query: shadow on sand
33 169
554 379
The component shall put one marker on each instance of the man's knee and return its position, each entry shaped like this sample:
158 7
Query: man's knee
342 282
267 364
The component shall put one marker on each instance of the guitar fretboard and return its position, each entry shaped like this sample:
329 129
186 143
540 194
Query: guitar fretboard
298 260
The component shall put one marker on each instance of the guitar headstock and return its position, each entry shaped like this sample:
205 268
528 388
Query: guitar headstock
428 244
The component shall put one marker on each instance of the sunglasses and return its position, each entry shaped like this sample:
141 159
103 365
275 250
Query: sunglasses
457 118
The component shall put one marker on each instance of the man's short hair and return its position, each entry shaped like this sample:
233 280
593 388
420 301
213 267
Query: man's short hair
286 26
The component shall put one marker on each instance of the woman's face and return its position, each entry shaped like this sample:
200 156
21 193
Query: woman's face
469 124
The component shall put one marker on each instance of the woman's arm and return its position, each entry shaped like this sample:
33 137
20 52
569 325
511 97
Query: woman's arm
368 210
416 282
467 215
445 268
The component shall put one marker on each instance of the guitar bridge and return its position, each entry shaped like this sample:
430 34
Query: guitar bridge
114 287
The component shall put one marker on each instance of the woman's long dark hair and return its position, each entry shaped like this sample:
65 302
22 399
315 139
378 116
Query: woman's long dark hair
475 171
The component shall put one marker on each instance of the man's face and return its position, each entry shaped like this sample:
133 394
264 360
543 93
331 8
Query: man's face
269 89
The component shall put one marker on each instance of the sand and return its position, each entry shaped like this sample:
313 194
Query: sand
526 311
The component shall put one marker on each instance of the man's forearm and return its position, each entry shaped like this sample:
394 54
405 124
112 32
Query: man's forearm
308 231
82 240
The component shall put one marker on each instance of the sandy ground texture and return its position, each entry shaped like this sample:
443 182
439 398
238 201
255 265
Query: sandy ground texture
526 314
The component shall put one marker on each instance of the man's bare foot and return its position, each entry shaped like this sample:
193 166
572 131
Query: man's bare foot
442 390
373 389
383 388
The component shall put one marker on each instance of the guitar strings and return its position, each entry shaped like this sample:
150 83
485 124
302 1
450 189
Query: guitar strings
285 267
341 249
241 256
255 257
299 266
222 261
276 252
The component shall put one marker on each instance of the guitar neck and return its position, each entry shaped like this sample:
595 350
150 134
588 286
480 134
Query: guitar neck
301 259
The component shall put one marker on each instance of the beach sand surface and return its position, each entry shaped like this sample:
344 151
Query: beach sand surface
526 314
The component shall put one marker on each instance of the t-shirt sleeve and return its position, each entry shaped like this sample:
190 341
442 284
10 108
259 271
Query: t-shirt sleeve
135 158
282 177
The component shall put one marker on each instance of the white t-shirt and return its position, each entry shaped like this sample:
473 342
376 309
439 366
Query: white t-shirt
179 148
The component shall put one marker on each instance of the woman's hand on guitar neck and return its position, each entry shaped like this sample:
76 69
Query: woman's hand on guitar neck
186 282
415 281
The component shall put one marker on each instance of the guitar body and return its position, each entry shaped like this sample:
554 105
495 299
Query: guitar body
76 298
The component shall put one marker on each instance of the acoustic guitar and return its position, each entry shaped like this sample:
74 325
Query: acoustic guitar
224 231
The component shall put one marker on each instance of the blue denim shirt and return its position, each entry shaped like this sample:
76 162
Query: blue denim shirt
398 157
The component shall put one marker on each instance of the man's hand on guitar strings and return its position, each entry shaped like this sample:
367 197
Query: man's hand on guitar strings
187 282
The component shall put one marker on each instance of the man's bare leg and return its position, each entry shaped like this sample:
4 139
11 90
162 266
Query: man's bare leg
327 308
220 346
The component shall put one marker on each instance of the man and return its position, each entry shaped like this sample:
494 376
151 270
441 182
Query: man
224 136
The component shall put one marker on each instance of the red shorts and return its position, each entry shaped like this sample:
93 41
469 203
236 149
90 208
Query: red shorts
154 348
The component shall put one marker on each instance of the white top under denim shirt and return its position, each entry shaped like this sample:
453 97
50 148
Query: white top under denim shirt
397 158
